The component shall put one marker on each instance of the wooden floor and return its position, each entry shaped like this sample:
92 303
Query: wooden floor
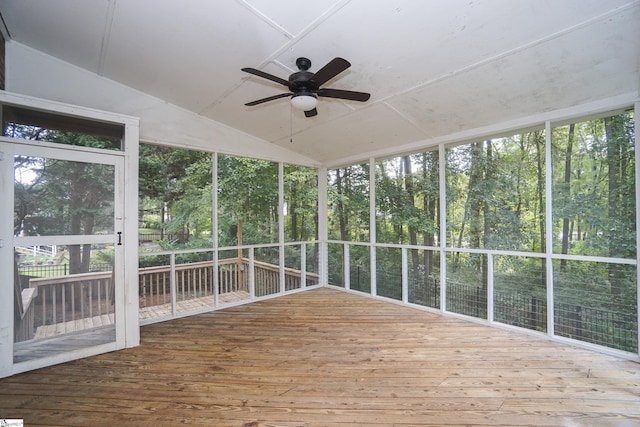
82 333
328 358
191 304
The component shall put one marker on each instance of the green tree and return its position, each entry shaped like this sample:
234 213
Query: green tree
247 198
348 193
176 185
64 197
301 198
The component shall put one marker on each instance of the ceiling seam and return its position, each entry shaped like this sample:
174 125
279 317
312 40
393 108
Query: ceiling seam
271 58
106 35
4 29
266 19
515 50
403 116
306 30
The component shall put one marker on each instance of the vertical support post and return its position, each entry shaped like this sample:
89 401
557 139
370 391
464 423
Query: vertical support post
637 171
442 177
549 229
126 291
323 231
6 264
372 225
281 226
214 228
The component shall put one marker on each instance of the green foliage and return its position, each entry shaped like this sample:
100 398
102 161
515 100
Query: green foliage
407 197
62 197
247 194
176 194
594 187
495 193
301 200
348 194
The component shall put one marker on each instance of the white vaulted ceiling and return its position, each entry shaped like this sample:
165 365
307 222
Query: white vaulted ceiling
433 67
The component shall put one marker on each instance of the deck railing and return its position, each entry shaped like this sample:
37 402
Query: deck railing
86 296
91 295
597 325
73 297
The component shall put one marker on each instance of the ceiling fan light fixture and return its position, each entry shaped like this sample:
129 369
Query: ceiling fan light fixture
304 102
305 87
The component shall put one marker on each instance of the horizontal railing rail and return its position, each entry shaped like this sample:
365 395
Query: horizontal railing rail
72 297
597 325
63 299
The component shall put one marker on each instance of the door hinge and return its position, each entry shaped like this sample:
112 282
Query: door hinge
1 155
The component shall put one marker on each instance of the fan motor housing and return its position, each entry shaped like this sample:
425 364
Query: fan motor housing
301 81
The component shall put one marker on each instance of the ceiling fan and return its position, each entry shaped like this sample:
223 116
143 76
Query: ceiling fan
305 87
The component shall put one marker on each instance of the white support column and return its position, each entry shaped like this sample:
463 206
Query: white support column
323 231
214 227
549 229
372 225
281 224
6 262
637 182
130 230
442 177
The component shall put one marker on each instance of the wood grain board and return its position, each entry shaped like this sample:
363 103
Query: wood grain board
329 358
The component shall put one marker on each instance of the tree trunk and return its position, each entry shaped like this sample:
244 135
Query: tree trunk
541 203
612 131
486 214
293 214
567 192
342 219
413 238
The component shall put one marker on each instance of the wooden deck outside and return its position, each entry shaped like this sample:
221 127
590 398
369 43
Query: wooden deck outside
145 313
329 358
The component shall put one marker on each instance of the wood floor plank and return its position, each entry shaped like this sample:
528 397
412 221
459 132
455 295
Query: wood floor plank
329 358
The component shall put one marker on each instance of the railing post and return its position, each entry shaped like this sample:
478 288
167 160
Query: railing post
490 289
172 283
405 276
346 267
252 275
303 265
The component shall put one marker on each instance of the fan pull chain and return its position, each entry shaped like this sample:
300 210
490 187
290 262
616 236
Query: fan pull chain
291 125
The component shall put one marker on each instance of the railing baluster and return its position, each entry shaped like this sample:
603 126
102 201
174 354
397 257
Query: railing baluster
54 295
82 292
99 285
64 305
90 298
44 305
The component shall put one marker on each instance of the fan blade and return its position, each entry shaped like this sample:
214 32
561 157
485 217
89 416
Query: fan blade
271 98
311 113
344 94
266 76
329 71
